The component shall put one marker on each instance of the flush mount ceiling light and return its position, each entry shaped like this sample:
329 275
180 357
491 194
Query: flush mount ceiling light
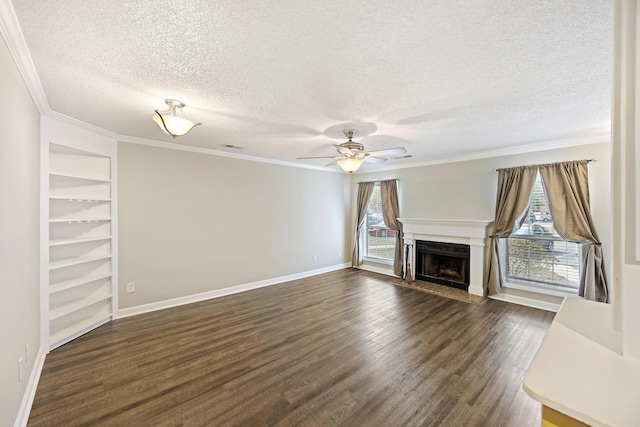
170 122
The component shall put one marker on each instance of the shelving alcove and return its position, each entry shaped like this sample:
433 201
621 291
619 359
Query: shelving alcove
80 285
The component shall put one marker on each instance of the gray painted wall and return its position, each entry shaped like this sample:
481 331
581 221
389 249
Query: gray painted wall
189 222
467 190
192 223
19 235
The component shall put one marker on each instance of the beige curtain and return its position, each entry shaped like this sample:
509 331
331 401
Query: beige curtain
512 206
567 189
391 212
364 194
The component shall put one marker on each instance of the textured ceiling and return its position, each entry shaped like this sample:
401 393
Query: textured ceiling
445 79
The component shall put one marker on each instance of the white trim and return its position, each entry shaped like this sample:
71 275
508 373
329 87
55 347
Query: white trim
30 391
79 124
211 152
466 228
175 302
44 241
114 233
633 104
541 290
373 269
506 151
12 34
377 260
55 343
529 302
62 130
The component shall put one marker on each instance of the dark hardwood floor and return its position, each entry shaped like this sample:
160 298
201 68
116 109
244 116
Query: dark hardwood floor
343 348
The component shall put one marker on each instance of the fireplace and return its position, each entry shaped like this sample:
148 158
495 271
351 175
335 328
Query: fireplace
443 263
469 233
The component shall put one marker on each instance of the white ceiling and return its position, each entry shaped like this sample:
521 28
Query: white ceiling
445 79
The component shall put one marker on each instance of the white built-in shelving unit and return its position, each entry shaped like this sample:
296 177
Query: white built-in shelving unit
79 289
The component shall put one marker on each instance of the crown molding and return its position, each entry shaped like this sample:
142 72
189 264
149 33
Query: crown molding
80 124
507 151
12 34
211 152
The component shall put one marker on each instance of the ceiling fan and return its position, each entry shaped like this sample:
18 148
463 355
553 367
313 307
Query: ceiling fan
353 154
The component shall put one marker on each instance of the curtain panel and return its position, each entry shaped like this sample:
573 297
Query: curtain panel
391 213
364 194
567 191
512 205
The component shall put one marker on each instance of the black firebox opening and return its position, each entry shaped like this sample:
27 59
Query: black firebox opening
443 263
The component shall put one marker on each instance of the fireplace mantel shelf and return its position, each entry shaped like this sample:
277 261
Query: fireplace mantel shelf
468 228
447 222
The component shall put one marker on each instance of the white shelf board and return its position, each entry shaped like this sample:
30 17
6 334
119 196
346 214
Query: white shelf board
76 261
58 312
79 220
73 176
59 242
65 335
81 199
78 281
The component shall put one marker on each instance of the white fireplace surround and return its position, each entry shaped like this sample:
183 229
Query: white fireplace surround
466 232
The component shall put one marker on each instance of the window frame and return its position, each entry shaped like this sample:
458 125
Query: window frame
542 287
364 235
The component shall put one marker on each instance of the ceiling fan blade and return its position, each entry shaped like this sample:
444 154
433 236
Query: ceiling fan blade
320 157
377 160
388 152
342 150
332 163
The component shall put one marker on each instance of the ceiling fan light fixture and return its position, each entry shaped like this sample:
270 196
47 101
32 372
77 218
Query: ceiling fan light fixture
349 164
353 154
170 122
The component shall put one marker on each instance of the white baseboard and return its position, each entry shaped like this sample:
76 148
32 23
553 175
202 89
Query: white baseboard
160 305
30 392
373 269
529 302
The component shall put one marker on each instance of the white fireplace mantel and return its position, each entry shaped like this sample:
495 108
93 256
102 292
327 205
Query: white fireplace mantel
466 232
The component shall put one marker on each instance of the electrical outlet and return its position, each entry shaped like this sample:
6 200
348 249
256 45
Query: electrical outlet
339 253
20 369
315 257
26 353
131 287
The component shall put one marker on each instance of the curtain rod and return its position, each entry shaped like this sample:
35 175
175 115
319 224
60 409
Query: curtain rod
379 180
588 161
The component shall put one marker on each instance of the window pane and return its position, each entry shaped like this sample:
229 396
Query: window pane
380 242
536 253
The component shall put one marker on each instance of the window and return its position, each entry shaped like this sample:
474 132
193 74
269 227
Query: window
379 241
537 255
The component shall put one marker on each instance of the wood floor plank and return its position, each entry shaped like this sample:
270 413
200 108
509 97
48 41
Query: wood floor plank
344 348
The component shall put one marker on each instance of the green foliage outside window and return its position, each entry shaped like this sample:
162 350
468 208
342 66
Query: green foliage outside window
529 260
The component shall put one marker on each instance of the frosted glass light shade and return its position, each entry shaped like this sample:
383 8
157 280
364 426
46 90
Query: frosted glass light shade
350 164
170 122
174 125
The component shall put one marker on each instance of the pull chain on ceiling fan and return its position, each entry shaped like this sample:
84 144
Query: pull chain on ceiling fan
353 153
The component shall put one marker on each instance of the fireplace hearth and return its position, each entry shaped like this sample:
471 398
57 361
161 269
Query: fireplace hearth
443 263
